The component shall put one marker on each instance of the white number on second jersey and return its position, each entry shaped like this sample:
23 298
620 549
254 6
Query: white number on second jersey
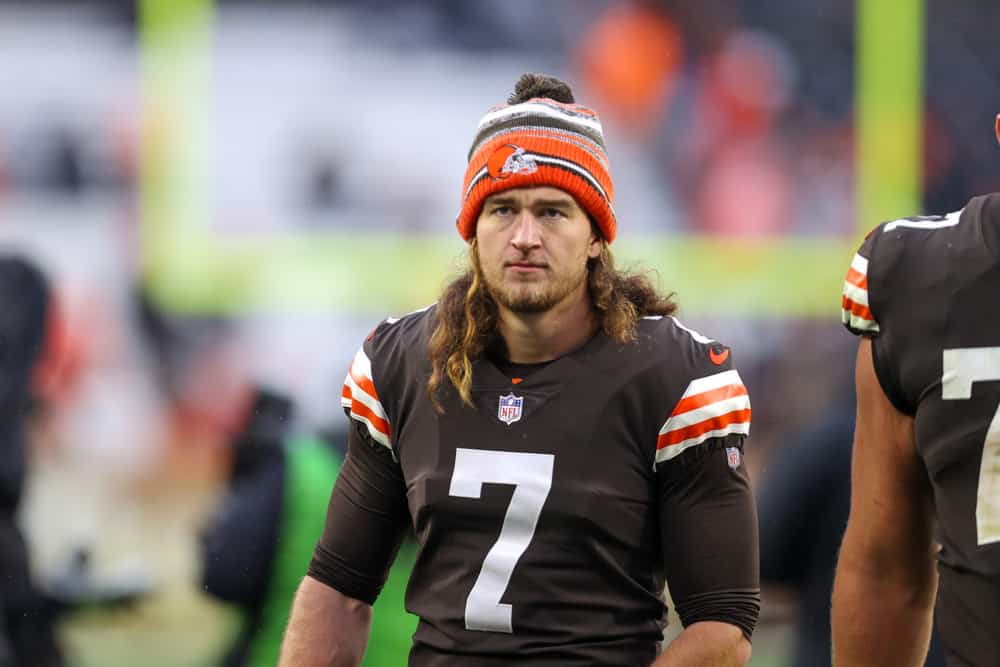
962 367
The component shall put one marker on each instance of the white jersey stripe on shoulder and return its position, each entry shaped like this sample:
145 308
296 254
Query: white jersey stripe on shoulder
694 334
949 220
710 382
711 406
363 397
361 364
855 293
671 451
855 309
363 404
858 323
705 412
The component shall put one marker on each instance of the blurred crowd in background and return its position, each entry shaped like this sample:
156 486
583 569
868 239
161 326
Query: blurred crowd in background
725 118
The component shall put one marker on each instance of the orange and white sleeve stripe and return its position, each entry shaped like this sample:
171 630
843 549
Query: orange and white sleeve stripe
855 311
360 398
711 407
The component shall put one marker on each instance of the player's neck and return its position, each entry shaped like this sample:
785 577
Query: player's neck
535 337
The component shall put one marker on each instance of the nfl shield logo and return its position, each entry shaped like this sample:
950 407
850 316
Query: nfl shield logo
510 409
733 456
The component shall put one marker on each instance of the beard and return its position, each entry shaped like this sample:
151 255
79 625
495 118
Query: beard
533 297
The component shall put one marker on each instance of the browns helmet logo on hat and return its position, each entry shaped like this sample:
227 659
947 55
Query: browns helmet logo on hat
509 160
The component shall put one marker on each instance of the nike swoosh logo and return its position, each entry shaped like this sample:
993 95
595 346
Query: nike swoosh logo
718 358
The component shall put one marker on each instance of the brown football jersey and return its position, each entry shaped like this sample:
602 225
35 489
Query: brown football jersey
924 289
548 516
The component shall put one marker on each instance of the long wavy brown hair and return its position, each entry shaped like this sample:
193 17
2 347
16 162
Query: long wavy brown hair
467 317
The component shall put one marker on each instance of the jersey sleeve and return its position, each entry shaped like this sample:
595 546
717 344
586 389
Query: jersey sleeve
365 520
368 511
709 535
360 397
714 404
855 303
707 512
880 285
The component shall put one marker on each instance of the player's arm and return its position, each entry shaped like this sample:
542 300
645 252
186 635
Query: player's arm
365 523
326 628
708 527
886 580
707 644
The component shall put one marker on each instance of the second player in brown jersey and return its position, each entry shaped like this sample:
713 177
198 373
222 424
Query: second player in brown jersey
923 293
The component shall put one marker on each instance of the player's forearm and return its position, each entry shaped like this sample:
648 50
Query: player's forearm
707 644
881 617
326 628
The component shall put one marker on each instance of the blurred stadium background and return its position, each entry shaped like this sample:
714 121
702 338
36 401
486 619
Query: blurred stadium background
231 192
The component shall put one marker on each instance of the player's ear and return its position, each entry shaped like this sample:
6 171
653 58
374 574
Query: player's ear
998 128
596 241
594 249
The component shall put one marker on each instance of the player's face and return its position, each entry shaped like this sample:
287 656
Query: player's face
533 246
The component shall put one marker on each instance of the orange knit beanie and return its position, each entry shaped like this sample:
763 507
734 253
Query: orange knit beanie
540 138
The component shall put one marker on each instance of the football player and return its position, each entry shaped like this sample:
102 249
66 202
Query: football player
559 443
921 293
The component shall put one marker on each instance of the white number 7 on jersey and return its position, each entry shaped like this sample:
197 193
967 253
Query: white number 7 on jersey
531 475
962 367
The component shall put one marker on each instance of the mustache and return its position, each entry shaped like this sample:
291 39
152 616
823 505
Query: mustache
525 261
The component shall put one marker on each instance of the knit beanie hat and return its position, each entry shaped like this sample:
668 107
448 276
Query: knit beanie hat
540 138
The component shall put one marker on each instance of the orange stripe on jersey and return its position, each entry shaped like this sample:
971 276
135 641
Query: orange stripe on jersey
360 409
707 397
702 427
857 309
857 278
365 383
